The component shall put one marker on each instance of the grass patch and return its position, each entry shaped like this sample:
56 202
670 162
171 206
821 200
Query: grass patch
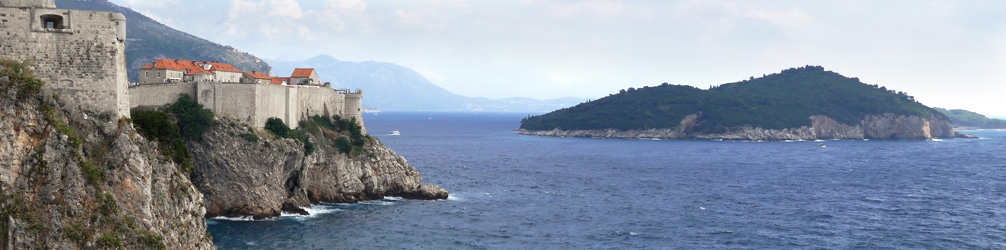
109 241
249 137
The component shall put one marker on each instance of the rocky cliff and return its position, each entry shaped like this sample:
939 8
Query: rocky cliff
263 177
886 126
73 179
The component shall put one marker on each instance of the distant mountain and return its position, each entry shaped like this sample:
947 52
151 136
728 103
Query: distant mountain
967 119
148 40
778 101
391 87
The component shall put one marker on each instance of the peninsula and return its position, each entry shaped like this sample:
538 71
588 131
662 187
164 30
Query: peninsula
806 103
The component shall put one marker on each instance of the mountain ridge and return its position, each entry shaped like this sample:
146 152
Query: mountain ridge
392 87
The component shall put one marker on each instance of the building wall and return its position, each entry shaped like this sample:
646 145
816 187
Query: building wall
225 76
149 76
84 62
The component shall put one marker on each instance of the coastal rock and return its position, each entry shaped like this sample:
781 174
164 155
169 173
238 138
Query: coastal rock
885 126
263 178
76 179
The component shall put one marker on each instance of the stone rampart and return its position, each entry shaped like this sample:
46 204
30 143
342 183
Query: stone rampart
80 54
255 103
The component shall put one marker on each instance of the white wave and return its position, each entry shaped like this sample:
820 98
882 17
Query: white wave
937 139
244 218
393 198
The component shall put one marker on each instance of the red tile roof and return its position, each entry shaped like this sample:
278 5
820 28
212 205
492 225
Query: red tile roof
279 80
222 67
191 67
258 75
301 73
167 64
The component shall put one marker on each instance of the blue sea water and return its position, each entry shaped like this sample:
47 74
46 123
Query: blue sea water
522 192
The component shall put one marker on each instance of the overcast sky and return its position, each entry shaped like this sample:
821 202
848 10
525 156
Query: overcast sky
948 54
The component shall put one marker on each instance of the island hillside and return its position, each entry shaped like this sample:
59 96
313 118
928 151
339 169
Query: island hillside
967 119
796 104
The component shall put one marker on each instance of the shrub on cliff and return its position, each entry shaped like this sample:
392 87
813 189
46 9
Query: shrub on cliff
20 76
157 126
277 127
193 119
343 144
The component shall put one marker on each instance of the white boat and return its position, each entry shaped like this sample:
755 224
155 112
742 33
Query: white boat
396 132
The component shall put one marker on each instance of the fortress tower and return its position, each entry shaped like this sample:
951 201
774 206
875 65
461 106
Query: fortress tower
79 54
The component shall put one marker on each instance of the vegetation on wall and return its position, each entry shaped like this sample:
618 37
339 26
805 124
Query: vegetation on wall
783 100
968 119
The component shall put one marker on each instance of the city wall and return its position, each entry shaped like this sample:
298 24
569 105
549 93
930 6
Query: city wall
255 103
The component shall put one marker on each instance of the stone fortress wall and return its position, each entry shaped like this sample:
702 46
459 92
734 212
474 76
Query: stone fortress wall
80 54
255 103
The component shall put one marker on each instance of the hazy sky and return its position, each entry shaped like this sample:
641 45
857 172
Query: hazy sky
948 54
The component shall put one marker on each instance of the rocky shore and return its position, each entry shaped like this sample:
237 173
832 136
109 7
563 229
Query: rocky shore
261 179
75 179
879 127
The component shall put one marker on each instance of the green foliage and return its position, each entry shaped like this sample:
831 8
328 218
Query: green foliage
249 137
109 241
157 126
343 144
193 119
78 233
151 240
21 76
108 206
277 127
784 100
964 118
71 133
94 175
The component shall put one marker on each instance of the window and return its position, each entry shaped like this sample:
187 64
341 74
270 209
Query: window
52 21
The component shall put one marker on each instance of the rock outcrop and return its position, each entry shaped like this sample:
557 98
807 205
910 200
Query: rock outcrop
886 126
74 179
241 177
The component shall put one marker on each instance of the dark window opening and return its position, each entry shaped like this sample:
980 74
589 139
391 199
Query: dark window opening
52 21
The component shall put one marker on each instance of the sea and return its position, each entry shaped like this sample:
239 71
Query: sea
509 191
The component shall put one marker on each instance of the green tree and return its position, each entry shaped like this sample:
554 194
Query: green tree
193 119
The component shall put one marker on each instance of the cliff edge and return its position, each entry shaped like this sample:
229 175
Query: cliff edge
76 179
247 172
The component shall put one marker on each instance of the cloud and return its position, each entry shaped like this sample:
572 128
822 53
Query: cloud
793 17
147 4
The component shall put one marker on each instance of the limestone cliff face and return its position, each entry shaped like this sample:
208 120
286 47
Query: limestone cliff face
886 126
261 179
70 182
